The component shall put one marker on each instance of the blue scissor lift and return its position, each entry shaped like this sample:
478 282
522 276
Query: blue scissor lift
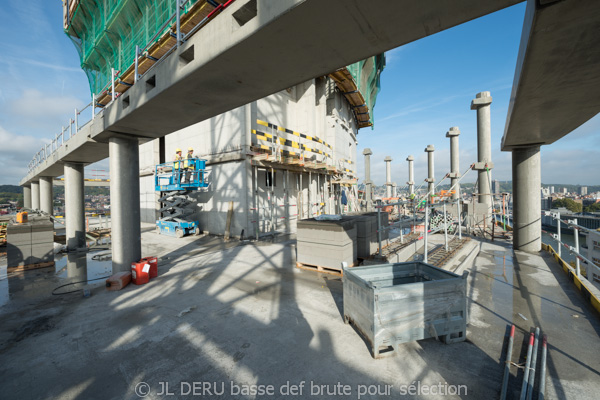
176 180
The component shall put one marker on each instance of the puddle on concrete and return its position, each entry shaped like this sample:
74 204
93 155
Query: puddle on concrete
81 269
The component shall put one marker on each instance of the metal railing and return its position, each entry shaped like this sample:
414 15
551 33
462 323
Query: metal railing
58 141
66 133
573 250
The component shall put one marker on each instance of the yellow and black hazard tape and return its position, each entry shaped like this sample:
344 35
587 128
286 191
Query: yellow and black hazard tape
302 135
286 142
579 284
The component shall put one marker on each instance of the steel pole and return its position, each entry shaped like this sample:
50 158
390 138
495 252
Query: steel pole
577 263
425 232
527 365
542 388
507 363
558 233
445 229
533 363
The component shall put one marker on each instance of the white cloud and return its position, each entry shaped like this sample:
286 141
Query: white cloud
42 112
15 153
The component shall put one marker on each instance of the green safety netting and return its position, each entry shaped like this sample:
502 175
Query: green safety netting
366 75
106 32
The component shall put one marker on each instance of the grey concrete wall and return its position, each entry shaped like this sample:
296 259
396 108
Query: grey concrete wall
314 108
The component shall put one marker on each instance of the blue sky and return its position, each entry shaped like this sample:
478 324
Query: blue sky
427 87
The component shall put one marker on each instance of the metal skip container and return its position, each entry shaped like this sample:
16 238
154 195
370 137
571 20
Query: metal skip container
390 304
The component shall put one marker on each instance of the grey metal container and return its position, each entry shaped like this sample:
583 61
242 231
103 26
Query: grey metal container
391 304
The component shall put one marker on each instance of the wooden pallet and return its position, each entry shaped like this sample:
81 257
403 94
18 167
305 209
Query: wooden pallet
29 267
323 270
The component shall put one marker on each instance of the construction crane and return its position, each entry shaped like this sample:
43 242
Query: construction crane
176 181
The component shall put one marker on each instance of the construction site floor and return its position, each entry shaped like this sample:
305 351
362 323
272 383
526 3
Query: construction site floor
222 315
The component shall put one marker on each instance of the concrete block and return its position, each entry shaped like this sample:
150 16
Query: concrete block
41 253
18 255
325 255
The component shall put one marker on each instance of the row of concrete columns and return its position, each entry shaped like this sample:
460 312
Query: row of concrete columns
124 199
525 169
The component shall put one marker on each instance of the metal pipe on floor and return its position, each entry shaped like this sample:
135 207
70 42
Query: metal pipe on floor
507 363
533 363
527 366
542 389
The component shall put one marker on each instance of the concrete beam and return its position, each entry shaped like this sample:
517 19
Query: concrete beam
527 208
555 89
430 173
453 134
411 175
125 202
35 195
46 195
481 104
222 67
74 207
388 176
27 196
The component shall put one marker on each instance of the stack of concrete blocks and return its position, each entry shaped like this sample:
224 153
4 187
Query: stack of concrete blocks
326 243
367 240
30 243
475 214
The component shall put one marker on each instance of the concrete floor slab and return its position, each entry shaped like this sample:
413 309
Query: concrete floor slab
241 312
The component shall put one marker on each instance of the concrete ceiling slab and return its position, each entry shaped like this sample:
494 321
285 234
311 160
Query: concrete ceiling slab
557 78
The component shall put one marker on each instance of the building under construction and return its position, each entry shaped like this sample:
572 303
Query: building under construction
282 158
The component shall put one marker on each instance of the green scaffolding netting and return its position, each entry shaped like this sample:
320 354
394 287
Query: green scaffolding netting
366 75
106 32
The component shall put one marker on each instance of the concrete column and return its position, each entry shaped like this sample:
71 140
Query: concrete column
430 172
394 190
27 196
481 103
125 202
74 207
454 165
46 201
411 175
527 210
368 184
35 195
388 176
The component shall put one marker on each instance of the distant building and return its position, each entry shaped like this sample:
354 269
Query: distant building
552 189
564 191
496 186
546 203
583 190
545 192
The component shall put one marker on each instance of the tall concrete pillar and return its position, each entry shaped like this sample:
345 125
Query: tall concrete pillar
388 176
411 175
27 196
74 207
124 202
35 195
430 173
368 183
46 200
454 164
527 209
394 190
484 165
